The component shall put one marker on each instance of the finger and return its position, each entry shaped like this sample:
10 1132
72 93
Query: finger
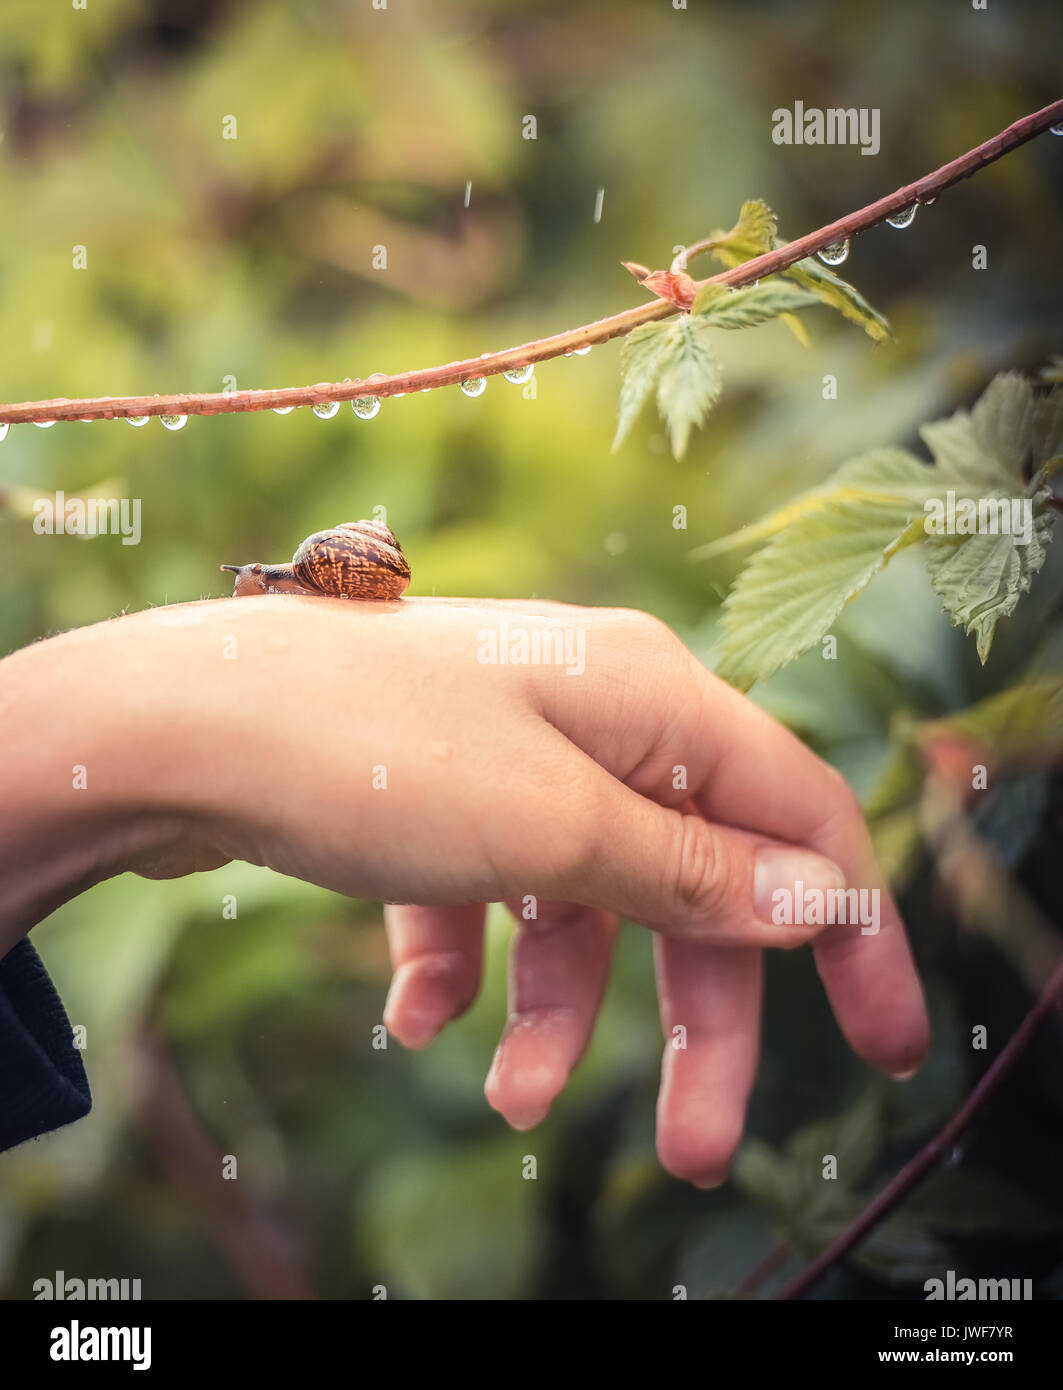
557 975
710 1013
671 870
669 720
437 953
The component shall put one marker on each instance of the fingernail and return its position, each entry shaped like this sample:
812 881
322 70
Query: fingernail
782 880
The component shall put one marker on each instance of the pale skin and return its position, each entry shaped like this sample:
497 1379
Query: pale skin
254 729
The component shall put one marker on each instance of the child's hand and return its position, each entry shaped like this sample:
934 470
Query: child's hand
379 750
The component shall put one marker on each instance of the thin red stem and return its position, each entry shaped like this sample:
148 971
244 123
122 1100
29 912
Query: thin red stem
227 402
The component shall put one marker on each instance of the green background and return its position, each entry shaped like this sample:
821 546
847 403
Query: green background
210 259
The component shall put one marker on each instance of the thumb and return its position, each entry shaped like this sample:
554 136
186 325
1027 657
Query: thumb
679 874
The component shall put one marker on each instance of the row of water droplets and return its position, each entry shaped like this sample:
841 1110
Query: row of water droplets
169 422
837 252
368 407
365 407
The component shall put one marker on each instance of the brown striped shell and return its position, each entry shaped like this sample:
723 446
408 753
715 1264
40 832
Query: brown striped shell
357 559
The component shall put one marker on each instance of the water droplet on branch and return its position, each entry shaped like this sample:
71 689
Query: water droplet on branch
366 407
904 218
326 410
137 420
173 422
283 409
1056 129
582 352
519 375
44 424
3 431
474 386
834 254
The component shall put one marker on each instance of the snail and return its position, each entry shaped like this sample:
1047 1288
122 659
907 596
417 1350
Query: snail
357 559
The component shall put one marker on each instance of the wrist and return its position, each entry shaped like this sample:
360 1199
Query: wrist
75 800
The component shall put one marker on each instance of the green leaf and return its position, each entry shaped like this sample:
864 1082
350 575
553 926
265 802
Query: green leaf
790 593
839 294
689 384
754 233
745 308
981 578
640 361
983 458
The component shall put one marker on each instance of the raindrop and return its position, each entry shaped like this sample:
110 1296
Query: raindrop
137 420
44 424
3 431
834 254
583 351
365 407
326 410
173 422
519 375
283 409
474 386
568 352
904 218
1056 129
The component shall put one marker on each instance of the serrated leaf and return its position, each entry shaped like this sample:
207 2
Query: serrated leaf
983 459
980 578
839 294
690 381
754 233
790 593
640 362
755 304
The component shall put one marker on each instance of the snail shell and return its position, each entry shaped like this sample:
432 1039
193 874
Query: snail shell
357 559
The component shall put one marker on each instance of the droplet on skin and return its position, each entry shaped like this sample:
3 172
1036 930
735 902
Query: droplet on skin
366 407
904 218
519 375
474 386
173 422
835 253
137 420
326 410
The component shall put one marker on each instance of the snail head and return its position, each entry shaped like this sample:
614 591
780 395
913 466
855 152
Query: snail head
250 579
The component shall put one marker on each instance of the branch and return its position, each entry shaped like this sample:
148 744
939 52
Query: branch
890 1196
924 190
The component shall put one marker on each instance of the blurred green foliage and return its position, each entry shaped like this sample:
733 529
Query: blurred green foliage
213 262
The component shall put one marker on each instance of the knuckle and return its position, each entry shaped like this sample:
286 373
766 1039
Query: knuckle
700 878
644 630
840 803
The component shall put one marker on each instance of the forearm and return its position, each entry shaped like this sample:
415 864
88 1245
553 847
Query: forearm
83 792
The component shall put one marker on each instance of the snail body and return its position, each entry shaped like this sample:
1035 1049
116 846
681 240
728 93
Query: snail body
357 560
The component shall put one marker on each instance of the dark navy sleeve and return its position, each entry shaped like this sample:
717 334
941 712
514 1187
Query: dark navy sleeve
42 1080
